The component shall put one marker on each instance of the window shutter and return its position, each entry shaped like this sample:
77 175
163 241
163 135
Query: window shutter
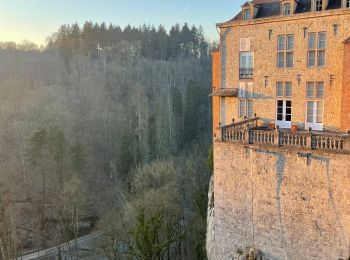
250 90
242 90
244 44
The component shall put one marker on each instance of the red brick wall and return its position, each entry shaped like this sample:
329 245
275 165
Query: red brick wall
216 81
346 88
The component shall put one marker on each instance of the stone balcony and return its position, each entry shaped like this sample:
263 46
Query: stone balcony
248 132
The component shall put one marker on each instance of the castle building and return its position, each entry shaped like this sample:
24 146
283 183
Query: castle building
281 121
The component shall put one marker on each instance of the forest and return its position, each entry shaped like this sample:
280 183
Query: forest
106 129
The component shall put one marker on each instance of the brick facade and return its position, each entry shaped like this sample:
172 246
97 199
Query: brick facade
263 34
283 199
346 87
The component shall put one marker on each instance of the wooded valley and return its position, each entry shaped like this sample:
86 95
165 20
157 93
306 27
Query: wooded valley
106 128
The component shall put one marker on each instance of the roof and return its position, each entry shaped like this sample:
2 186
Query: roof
270 8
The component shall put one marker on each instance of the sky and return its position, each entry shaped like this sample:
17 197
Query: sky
35 20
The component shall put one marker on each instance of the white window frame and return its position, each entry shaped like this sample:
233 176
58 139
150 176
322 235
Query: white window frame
316 50
246 94
283 85
315 99
286 11
286 51
318 5
245 11
247 104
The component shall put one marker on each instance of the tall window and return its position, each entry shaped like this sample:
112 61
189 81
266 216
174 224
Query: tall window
246 14
246 59
286 9
245 64
317 49
245 95
347 4
285 50
315 95
284 89
315 90
318 5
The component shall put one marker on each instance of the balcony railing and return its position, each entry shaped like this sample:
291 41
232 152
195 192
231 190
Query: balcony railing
246 73
286 138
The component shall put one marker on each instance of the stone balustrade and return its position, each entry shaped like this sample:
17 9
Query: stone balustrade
286 138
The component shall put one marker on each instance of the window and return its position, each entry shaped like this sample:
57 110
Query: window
316 49
246 108
318 5
347 4
246 14
284 89
286 9
315 90
285 51
315 95
245 94
245 65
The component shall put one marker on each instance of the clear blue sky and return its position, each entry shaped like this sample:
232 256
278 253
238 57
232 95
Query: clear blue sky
34 20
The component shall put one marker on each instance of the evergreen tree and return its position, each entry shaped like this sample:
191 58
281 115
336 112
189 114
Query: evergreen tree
191 117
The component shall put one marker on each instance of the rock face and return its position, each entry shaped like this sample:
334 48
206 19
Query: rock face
287 203
210 243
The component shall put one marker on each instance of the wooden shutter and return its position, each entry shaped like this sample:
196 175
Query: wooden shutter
242 90
250 90
244 44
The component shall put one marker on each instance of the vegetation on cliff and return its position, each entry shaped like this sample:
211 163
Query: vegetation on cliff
106 127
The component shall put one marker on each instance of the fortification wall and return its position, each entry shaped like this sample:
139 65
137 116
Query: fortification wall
289 206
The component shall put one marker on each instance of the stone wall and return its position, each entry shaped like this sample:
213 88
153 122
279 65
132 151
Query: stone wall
290 204
346 87
264 45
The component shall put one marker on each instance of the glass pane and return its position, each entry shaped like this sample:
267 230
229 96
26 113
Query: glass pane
290 42
311 59
279 89
281 43
243 59
250 108
310 89
312 41
320 90
246 14
286 9
250 60
310 111
246 60
321 58
319 5
241 108
288 104
289 59
280 59
288 89
319 112
322 40
288 118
